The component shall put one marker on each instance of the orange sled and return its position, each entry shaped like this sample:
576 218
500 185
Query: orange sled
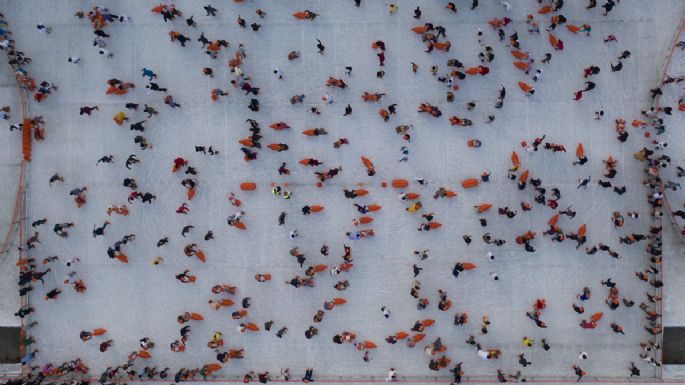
401 335
483 207
362 221
418 337
573 28
468 183
196 317
368 164
581 230
200 255
144 354
316 208
311 132
545 10
579 150
400 183
596 317
239 225
420 29
523 66
246 142
553 221
525 87
520 55
468 266
515 160
99 332
279 126
361 192
374 207
277 147
122 258
191 193
252 327
304 15
226 302
248 186
428 322
553 41
370 97
442 45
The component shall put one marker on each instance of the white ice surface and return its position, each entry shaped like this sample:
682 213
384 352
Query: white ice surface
10 162
138 299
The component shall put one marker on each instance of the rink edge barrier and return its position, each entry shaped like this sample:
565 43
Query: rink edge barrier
408 379
659 221
18 223
663 77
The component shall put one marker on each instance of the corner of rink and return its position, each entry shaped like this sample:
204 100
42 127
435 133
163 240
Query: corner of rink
673 307
673 373
9 300
674 285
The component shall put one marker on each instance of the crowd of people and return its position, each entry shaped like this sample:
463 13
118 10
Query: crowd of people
224 295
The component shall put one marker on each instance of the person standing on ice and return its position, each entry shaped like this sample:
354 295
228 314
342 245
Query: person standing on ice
579 372
43 29
97 231
149 74
584 182
392 375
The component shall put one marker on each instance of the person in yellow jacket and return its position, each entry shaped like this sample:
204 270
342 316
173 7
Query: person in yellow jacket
416 206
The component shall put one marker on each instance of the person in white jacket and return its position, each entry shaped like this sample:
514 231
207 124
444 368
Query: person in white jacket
392 375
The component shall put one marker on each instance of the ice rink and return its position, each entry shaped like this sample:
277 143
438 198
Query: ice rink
139 299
